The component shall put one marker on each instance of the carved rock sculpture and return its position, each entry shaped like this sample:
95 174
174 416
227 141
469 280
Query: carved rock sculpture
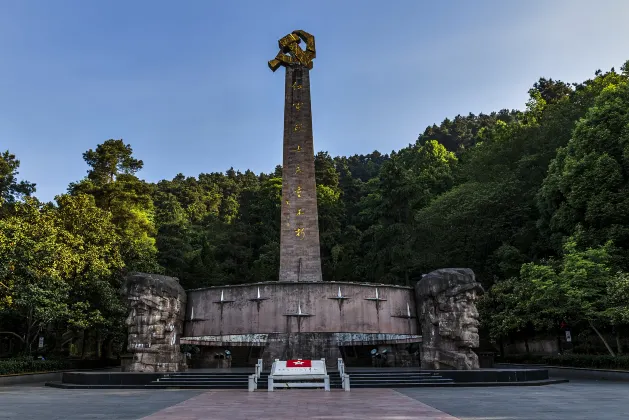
448 318
155 319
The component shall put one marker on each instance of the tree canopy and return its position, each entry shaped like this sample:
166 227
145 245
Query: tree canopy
535 201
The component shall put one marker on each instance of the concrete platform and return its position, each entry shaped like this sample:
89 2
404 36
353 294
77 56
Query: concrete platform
578 400
360 378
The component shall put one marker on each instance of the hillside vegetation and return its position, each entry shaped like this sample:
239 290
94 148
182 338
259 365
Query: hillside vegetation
536 202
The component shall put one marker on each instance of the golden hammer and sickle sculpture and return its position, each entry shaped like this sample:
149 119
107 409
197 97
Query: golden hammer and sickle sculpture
291 53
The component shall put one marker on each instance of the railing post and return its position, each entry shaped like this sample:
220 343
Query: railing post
343 375
270 384
252 384
326 382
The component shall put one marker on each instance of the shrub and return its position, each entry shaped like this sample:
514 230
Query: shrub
14 366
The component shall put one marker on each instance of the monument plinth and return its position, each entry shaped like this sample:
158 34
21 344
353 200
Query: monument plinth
300 258
300 317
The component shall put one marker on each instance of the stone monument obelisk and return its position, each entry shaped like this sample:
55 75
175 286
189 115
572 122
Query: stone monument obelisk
300 258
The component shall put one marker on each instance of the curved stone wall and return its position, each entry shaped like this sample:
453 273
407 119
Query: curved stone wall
284 307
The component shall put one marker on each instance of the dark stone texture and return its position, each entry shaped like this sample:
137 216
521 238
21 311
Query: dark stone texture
448 318
156 313
109 378
300 258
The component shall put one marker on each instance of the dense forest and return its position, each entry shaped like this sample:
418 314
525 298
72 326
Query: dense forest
536 202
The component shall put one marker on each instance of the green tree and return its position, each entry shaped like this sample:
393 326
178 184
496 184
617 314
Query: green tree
109 160
32 264
12 190
406 183
587 186
60 265
575 289
112 182
94 247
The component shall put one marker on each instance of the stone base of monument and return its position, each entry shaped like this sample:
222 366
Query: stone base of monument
360 378
354 348
404 378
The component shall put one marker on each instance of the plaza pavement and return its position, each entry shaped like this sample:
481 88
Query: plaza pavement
577 400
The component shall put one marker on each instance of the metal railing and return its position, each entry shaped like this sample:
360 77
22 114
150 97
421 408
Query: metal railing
258 368
253 379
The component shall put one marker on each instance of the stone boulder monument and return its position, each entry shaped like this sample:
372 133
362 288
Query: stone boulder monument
446 309
156 310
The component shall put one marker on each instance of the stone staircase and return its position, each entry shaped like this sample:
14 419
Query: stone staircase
359 378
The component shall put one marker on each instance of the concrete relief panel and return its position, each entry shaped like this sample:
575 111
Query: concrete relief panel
282 307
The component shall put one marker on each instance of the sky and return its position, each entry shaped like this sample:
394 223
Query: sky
186 82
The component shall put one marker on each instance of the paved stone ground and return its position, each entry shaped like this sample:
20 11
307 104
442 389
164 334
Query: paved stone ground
359 404
37 402
577 400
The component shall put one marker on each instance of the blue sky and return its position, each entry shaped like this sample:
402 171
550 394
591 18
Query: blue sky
187 85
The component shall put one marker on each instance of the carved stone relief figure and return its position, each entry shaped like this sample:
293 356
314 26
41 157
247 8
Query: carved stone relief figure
448 318
156 310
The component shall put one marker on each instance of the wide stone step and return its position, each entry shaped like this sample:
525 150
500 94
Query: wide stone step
195 386
399 384
215 380
222 383
332 381
400 380
264 385
218 378
386 371
394 378
390 375
193 375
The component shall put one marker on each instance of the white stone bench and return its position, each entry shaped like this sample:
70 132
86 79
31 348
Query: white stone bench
305 381
315 376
